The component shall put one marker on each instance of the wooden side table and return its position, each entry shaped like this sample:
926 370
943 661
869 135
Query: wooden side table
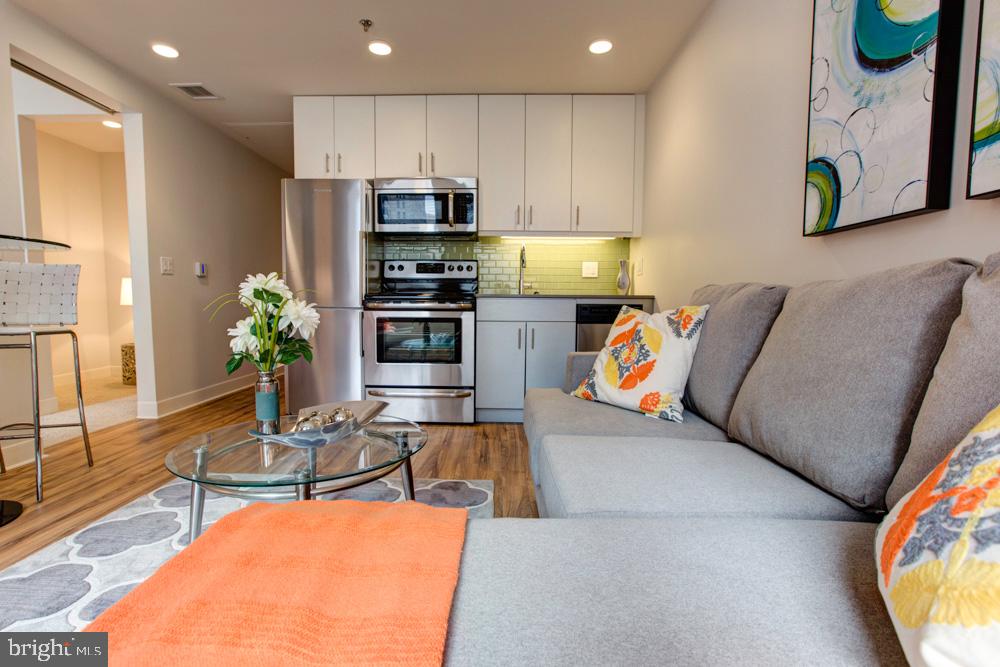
128 363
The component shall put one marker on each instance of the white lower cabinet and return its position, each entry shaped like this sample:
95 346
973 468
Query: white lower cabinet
514 354
548 345
500 365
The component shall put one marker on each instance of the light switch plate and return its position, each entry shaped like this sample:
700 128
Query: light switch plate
166 266
589 270
640 266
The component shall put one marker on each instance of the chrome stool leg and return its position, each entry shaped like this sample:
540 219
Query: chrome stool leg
79 399
36 417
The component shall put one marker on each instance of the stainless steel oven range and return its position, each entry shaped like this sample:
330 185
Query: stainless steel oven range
419 340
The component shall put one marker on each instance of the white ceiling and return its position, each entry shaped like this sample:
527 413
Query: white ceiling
83 131
258 54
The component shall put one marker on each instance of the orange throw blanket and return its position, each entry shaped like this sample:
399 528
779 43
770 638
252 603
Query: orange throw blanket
306 583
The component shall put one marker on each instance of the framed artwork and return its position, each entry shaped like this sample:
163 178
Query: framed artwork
882 100
984 145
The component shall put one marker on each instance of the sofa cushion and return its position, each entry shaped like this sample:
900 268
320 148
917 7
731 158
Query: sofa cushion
837 385
669 592
660 477
550 411
739 318
645 362
966 382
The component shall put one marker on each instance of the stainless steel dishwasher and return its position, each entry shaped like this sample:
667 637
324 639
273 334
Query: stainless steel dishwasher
593 322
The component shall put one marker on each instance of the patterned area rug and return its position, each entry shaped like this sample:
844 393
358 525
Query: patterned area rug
68 583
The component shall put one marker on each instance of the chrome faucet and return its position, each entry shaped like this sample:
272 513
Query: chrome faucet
520 273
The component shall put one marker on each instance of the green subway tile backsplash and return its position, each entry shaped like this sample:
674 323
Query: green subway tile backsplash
553 265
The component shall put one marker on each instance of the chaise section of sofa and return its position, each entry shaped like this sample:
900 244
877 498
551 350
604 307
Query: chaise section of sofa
669 591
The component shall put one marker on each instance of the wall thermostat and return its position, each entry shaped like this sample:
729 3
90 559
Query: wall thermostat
200 269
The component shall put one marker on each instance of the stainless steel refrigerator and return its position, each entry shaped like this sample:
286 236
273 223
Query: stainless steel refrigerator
323 236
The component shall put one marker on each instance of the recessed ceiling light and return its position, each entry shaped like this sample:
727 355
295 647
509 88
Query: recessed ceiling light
600 46
379 48
165 50
113 124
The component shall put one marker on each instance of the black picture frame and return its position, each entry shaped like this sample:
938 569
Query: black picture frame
943 114
990 194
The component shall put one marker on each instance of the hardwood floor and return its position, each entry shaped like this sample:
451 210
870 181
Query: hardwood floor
128 462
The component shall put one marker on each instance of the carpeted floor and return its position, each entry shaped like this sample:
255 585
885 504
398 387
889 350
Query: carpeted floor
99 415
67 584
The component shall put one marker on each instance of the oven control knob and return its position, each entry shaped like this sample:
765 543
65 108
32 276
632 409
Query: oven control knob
451 267
469 267
390 268
461 268
399 267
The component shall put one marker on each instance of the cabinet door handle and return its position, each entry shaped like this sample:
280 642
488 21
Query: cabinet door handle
532 338
340 163
531 215
433 168
420 163
519 338
517 216
578 216
327 163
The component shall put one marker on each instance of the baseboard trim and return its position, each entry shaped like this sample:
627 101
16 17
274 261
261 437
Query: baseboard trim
173 404
22 452
48 405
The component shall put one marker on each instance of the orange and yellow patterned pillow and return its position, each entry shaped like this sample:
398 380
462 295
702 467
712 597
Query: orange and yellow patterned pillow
938 554
645 362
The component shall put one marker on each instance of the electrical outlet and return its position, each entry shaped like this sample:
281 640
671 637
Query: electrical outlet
166 266
640 266
589 270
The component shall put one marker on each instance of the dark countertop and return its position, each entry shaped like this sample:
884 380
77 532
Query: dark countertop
615 297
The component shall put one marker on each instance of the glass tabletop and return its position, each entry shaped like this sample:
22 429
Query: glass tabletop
229 456
8 242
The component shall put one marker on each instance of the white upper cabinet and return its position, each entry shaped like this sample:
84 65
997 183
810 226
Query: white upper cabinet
603 163
548 146
401 136
313 129
452 135
501 163
354 137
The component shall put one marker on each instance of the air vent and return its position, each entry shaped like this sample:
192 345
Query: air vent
196 91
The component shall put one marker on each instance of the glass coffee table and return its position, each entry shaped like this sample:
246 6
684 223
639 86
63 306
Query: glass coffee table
230 462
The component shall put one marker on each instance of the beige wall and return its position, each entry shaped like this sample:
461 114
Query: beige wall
70 184
116 259
207 198
726 132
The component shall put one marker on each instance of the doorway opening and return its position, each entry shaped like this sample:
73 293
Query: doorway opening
73 177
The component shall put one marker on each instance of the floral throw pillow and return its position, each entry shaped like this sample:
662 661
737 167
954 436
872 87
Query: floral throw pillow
938 554
645 362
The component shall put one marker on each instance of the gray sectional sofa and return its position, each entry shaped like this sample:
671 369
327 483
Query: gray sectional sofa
744 535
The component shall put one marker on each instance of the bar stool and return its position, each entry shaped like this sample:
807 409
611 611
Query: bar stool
40 300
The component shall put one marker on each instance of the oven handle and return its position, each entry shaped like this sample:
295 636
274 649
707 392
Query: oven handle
419 394
451 209
416 305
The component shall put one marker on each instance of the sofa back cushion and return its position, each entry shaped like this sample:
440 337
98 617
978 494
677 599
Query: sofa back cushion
966 381
739 319
837 385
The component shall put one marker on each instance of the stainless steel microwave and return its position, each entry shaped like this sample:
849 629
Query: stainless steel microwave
426 206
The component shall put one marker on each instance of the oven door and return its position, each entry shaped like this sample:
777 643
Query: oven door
419 348
426 211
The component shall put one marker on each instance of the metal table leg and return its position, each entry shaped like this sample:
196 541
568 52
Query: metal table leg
303 490
197 494
407 472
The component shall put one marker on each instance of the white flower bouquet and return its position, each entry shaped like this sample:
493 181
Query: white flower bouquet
277 329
